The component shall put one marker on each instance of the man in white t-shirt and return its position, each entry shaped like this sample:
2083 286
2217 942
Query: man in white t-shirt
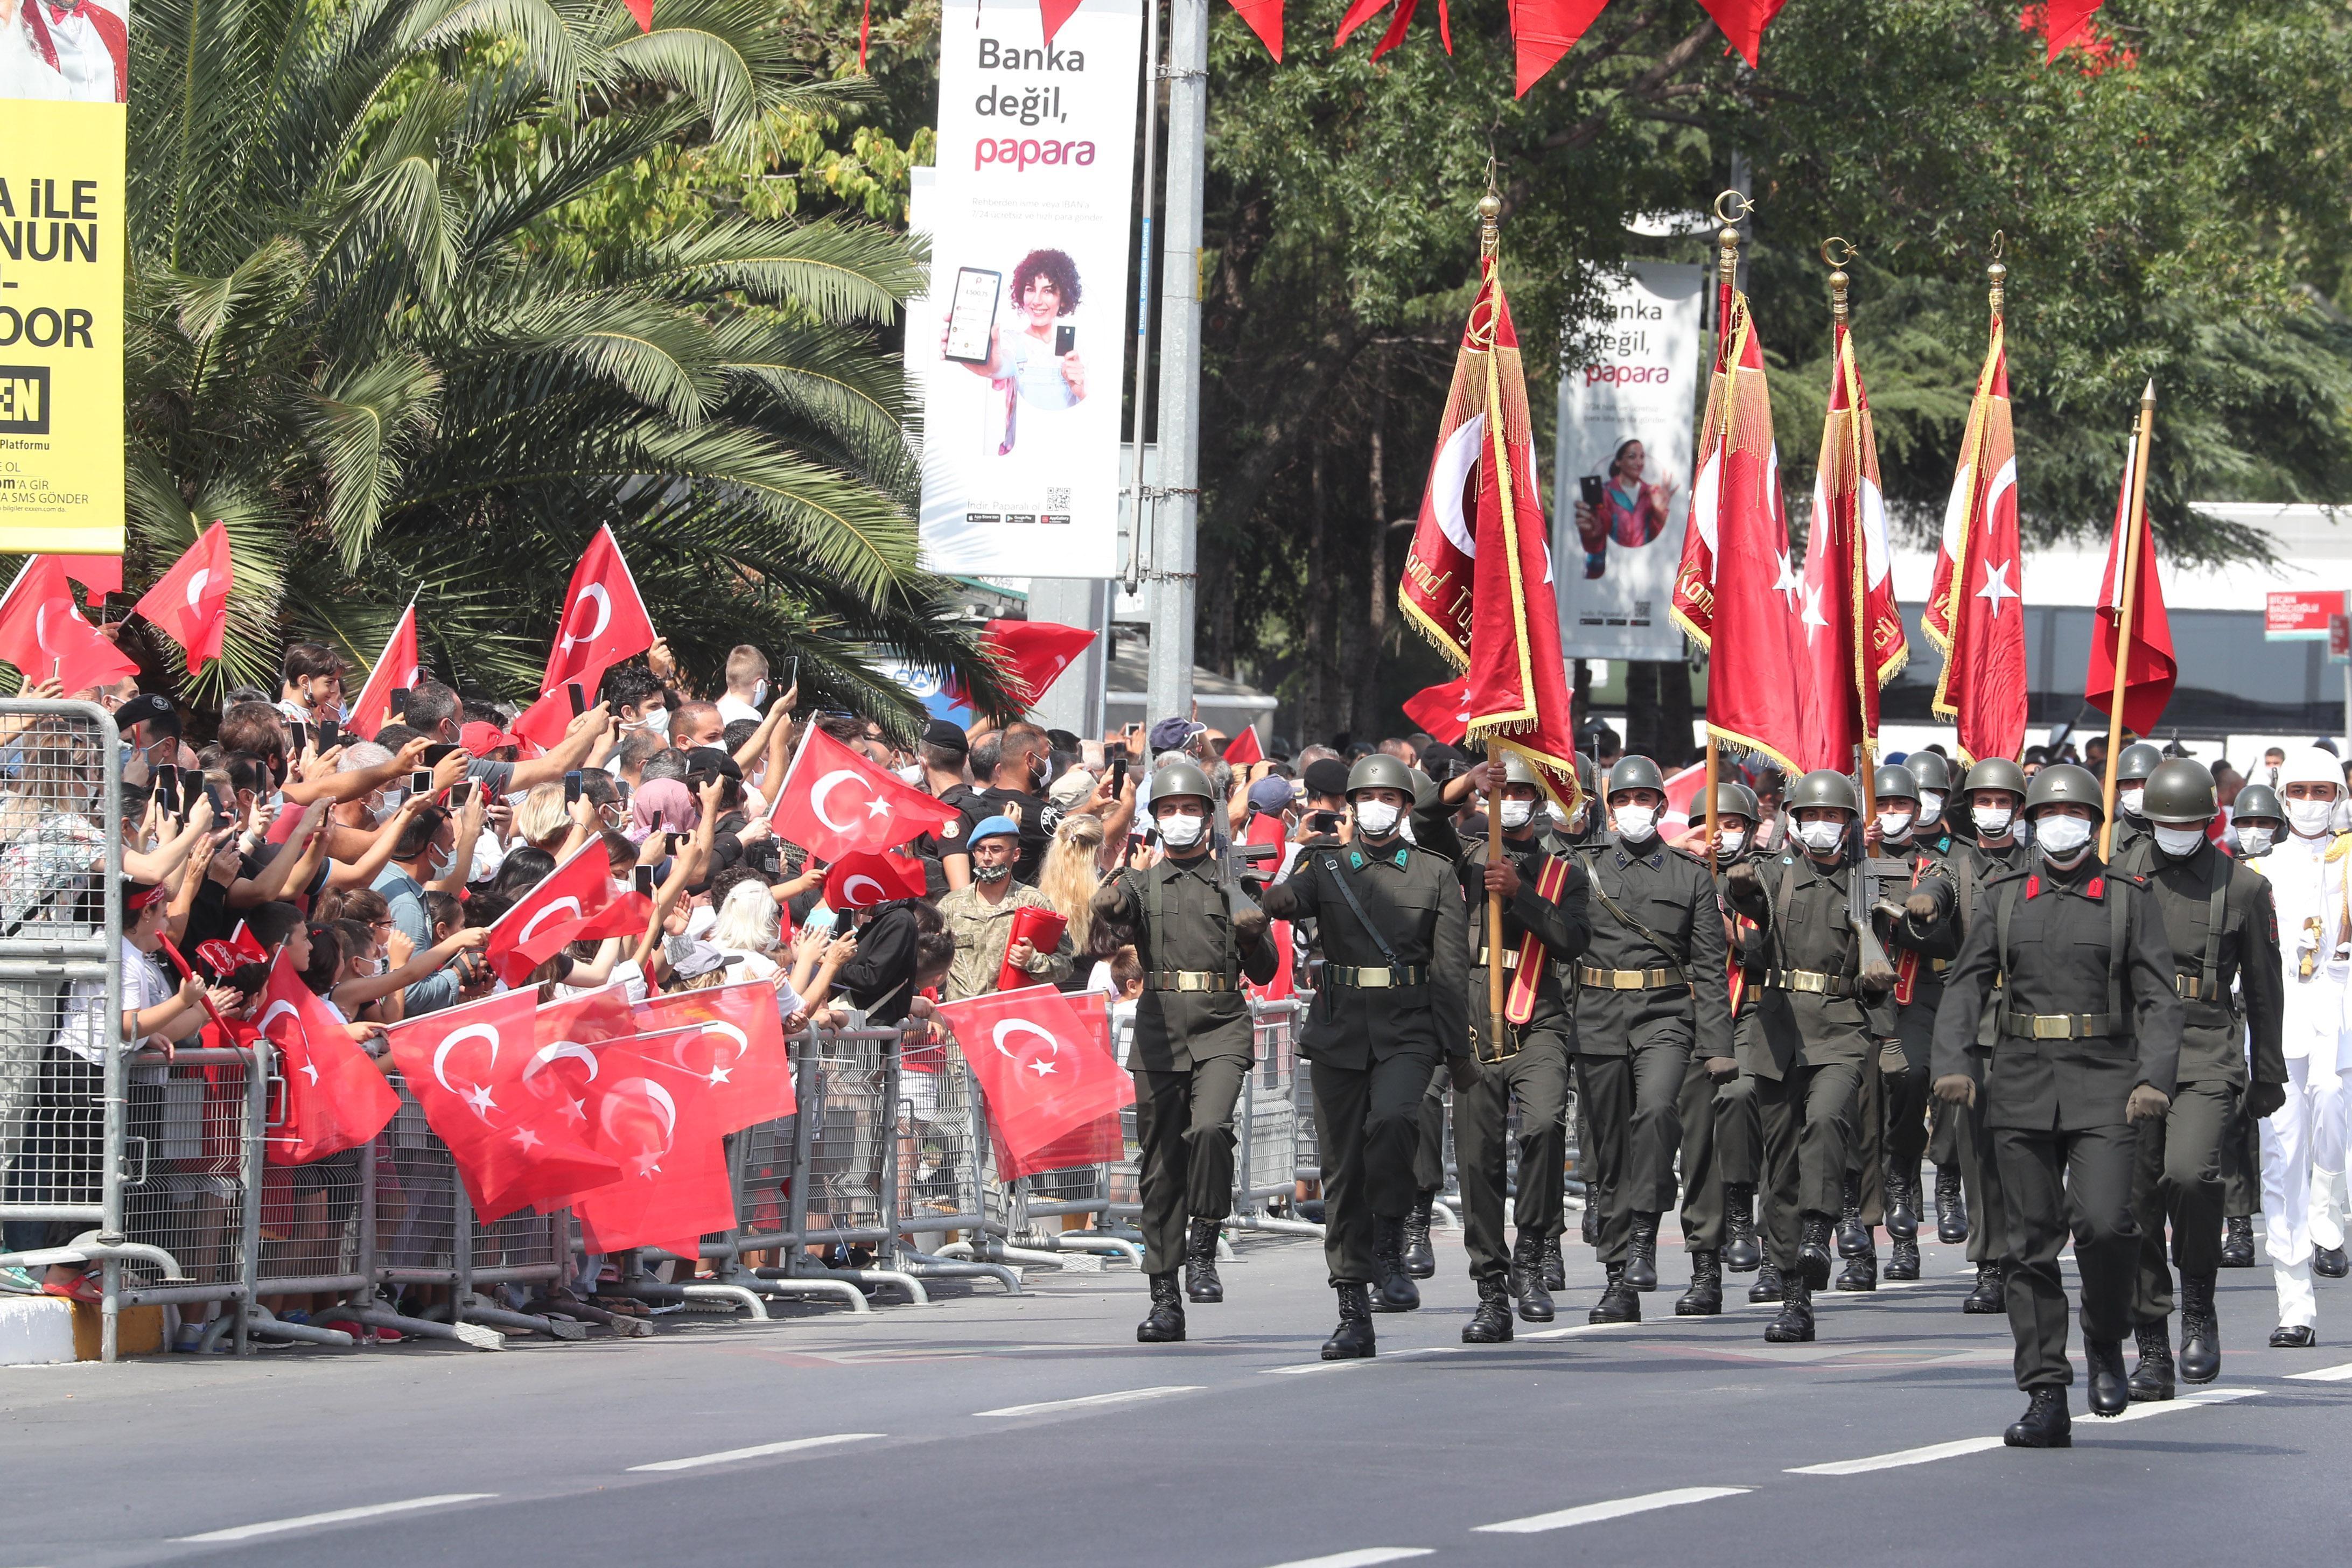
747 686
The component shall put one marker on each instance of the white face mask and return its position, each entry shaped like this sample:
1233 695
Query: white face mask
1992 821
1931 807
1179 831
1820 837
1894 824
2130 799
2255 841
2310 817
2061 837
1636 822
1731 840
1374 818
759 694
912 773
1518 814
386 804
444 862
2179 842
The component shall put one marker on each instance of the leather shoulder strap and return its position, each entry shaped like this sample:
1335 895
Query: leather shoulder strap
1675 960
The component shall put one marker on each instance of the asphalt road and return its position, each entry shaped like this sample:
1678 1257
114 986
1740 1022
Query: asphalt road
1034 1430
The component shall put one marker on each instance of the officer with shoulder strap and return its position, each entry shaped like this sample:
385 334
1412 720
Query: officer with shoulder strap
2223 929
2258 820
1823 1013
2087 1049
1193 1042
1545 923
1647 1000
1391 1007
2140 760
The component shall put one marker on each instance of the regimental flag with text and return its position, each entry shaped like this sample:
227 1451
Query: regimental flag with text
1974 614
1852 630
2146 656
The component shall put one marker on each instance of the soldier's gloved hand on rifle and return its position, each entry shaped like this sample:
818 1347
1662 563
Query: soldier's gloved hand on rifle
2146 1103
1920 906
1878 977
1747 889
1250 924
1956 1089
1720 1069
2264 1099
1465 1072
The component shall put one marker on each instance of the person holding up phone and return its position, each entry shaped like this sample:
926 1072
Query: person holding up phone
1036 362
1622 507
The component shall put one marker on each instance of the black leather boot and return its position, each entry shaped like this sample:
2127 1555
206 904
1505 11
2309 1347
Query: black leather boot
2238 1242
1813 1252
1526 1282
1952 1211
2110 1387
1352 1339
1491 1323
1201 1281
1589 1227
1904 1261
1989 1295
1619 1303
1742 1252
1420 1257
2201 1331
1902 1206
2152 1378
1768 1285
2045 1424
1794 1326
1165 1323
1555 1269
1397 1292
1704 1297
1861 1273
1851 1235
1642 1253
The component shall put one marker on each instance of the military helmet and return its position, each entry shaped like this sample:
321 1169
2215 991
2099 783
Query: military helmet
1516 770
2260 802
1380 771
1995 772
1733 799
2138 761
1931 770
1177 779
1824 787
1588 777
2179 794
2064 783
1635 773
1894 781
1425 790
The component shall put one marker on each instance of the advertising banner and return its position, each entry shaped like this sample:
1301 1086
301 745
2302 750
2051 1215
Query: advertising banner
1025 327
64 74
1623 478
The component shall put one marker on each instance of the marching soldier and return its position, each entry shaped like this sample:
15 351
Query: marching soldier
1388 1011
1934 776
2259 821
1921 943
1993 795
1721 1134
2132 770
1818 1031
1647 998
2087 1041
1193 1042
1545 923
2223 932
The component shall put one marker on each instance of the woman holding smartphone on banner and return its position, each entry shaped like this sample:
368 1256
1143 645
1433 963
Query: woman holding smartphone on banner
1037 361
1620 507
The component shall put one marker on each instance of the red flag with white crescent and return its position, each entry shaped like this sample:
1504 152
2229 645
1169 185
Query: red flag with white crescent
1100 1141
834 802
1974 615
189 602
1041 1073
865 878
1033 654
604 618
399 667
535 928
733 1037
334 1096
1442 711
42 632
1851 631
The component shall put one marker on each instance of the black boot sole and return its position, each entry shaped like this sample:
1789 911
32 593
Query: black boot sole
1208 1298
1144 1337
1814 1267
2014 1440
1686 1308
1354 1352
2148 1392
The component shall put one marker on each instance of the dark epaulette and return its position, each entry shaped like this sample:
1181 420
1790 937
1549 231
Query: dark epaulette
1693 856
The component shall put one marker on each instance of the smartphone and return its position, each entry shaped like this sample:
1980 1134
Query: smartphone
1594 494
1323 821
294 727
421 781
461 792
438 753
1118 777
572 690
398 703
645 881
972 319
571 784
792 681
1065 340
331 735
167 787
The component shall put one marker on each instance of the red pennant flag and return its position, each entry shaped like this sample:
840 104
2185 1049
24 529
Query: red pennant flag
1973 613
1033 654
399 667
2149 666
1737 591
1041 1073
733 1039
865 878
1054 13
1543 31
1851 631
1264 18
1363 11
189 602
1244 748
98 575
834 802
605 619
42 630
1743 22
1443 710
642 10
2062 22
335 1099
512 1140
540 922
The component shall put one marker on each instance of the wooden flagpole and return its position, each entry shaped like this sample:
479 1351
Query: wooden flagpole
2135 516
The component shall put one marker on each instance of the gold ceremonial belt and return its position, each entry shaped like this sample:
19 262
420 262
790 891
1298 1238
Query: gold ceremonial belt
2192 987
1380 979
1187 980
1630 979
2056 1026
1510 959
1811 980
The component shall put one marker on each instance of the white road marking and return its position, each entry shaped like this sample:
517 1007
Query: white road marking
1309 1367
2167 1406
760 1451
1899 1458
337 1516
1593 1512
1576 1328
1123 1397
1362 1557
2324 1375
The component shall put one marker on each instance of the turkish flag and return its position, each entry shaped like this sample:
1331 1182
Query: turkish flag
1442 711
400 665
733 1037
335 1098
1737 591
1043 1074
1542 31
1032 655
834 802
1743 21
2149 666
1683 804
656 1115
481 1077
1244 748
1852 632
536 926
1100 1141
42 630
1973 613
605 619
189 602
865 878
546 721
99 576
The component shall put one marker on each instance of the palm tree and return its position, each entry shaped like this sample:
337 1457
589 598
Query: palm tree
365 333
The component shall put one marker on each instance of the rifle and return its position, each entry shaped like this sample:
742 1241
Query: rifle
1233 861
1866 895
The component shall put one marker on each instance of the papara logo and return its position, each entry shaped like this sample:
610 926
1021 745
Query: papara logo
1022 152
24 400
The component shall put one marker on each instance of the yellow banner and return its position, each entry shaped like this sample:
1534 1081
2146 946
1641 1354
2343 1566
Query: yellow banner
62 338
